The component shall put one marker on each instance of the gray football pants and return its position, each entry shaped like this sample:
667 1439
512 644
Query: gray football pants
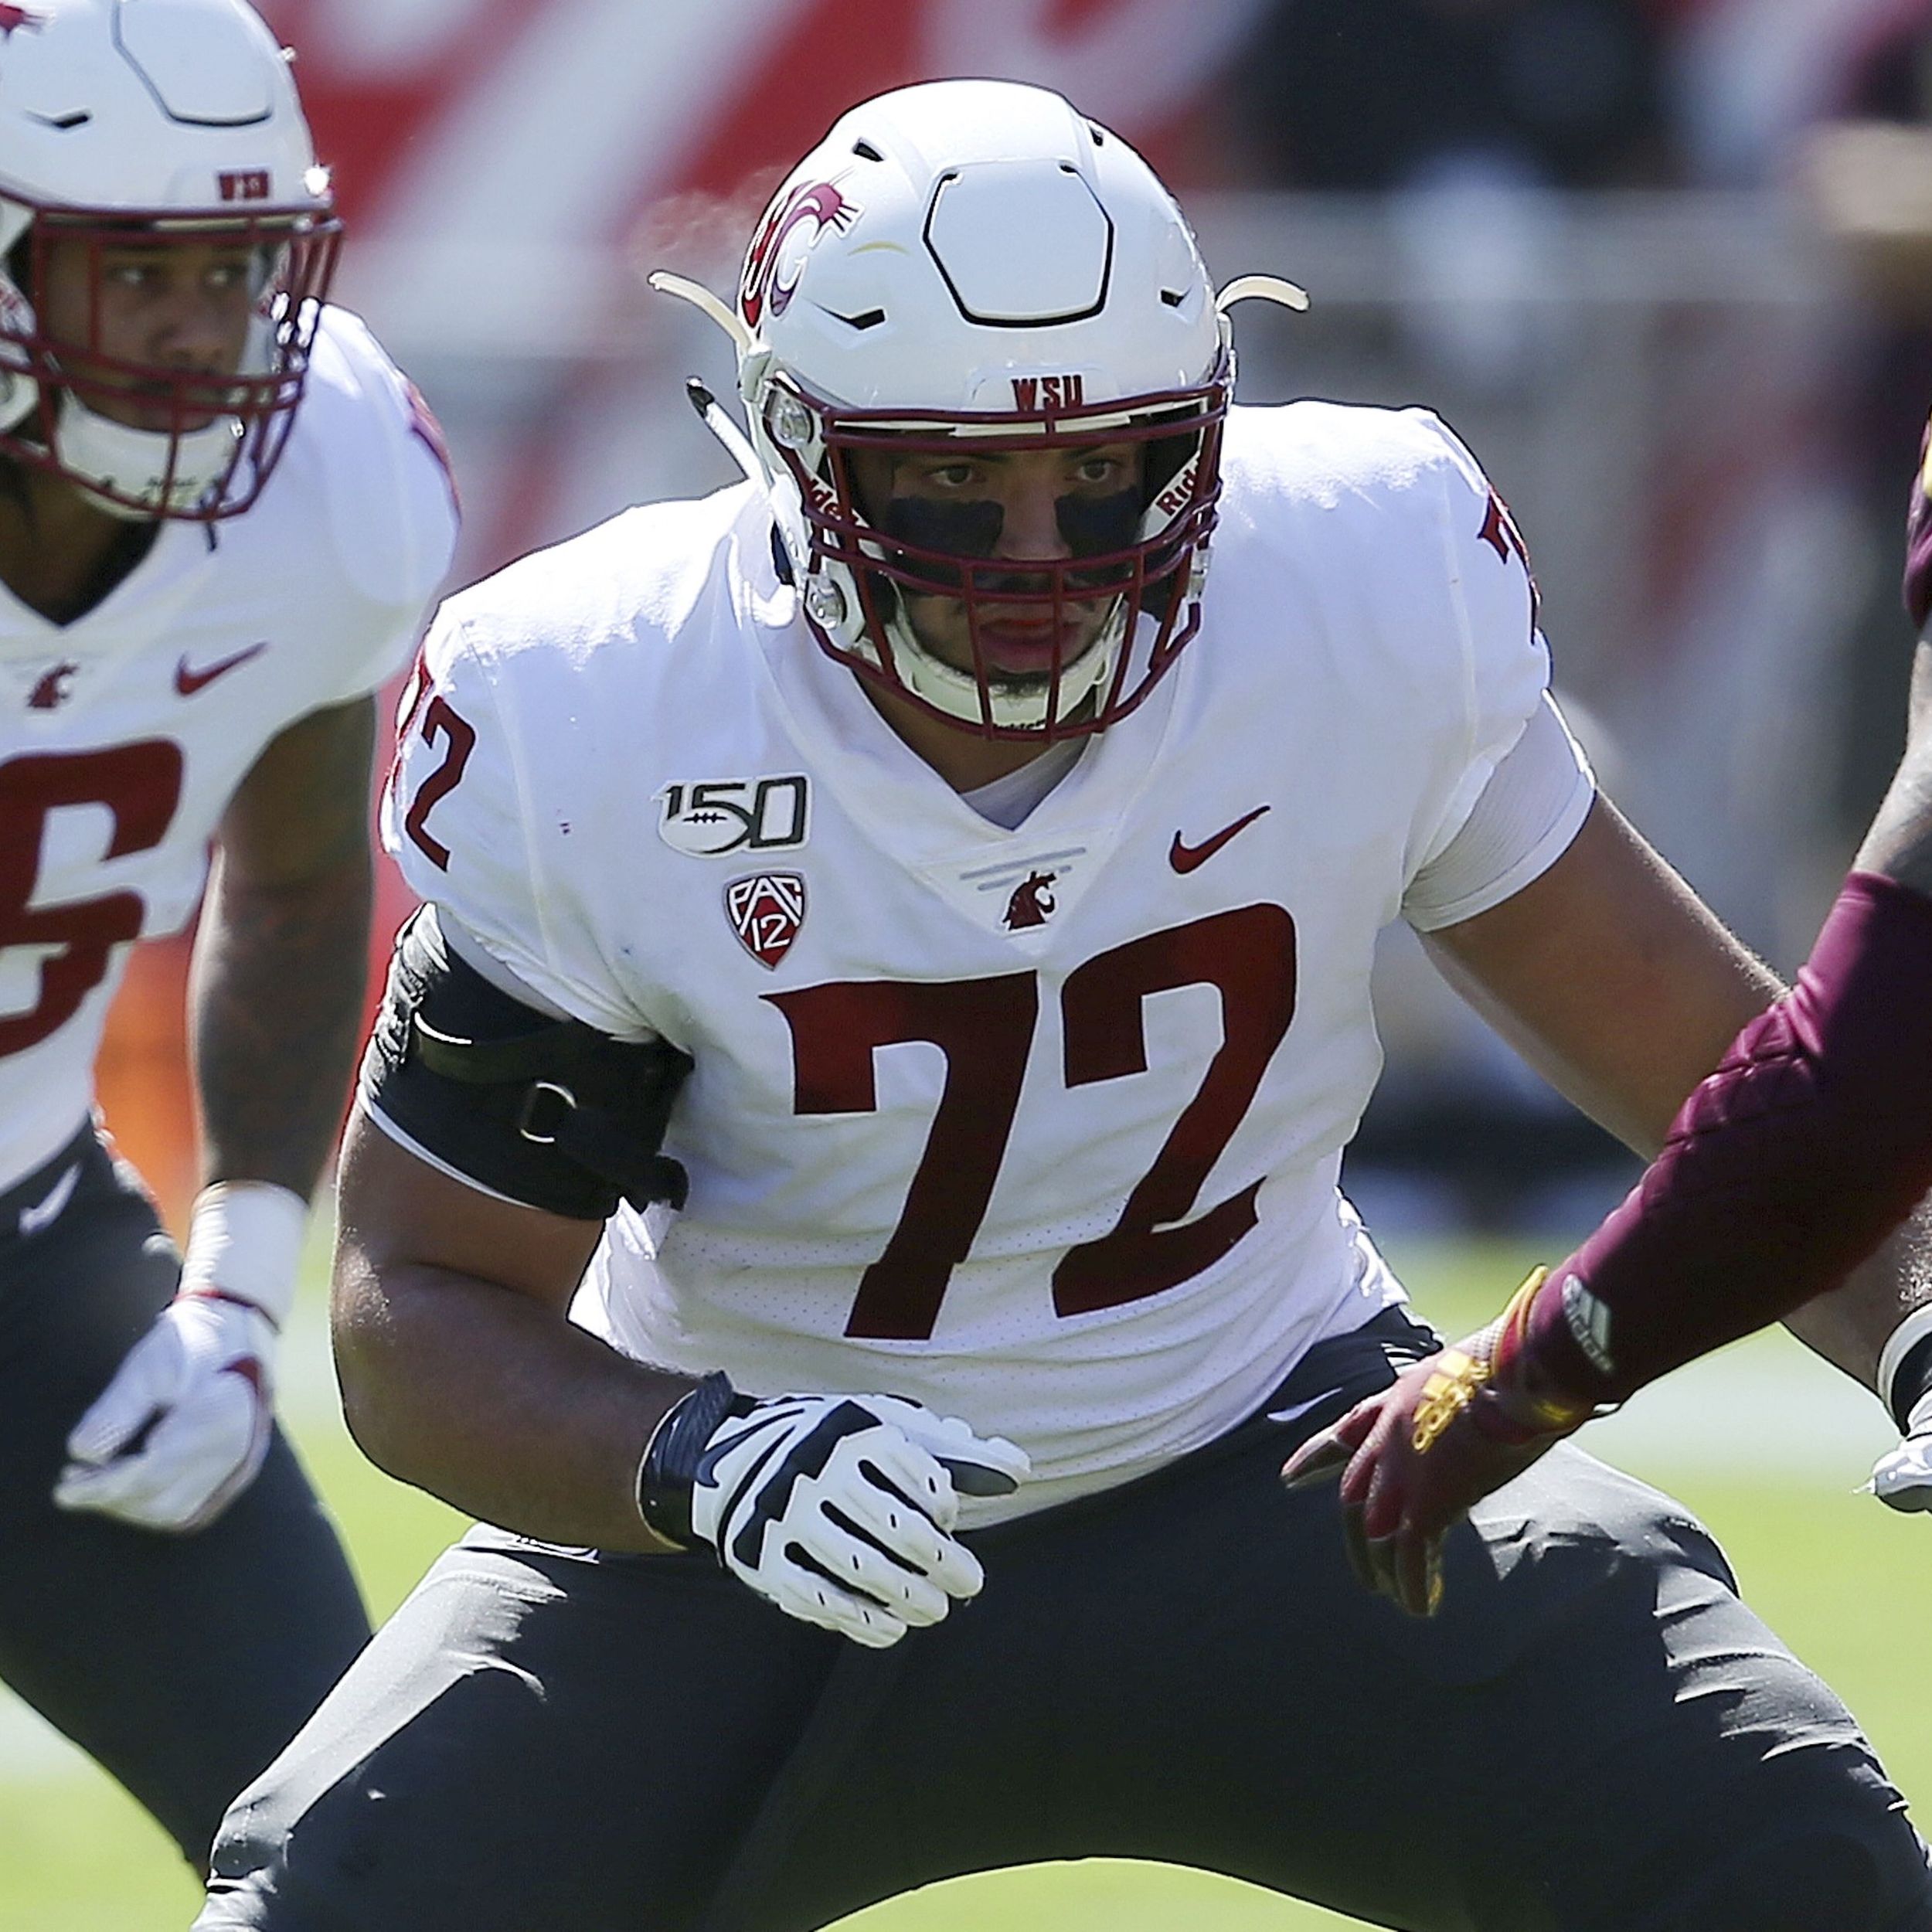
181 1664
1594 1734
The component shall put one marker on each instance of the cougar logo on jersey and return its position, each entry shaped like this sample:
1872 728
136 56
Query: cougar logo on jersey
766 912
778 255
725 816
54 687
1032 904
1020 895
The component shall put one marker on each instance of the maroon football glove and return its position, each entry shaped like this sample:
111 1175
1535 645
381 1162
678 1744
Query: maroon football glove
1414 1458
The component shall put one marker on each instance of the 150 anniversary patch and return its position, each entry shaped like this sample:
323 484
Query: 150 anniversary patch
721 815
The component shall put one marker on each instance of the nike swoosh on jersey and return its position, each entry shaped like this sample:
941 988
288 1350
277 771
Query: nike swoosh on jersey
1184 857
47 1208
188 680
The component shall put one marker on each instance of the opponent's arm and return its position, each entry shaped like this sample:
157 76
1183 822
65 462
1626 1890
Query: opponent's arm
1795 1154
1787 1167
1610 975
1899 842
1782 1171
1794 1161
276 998
1885 1302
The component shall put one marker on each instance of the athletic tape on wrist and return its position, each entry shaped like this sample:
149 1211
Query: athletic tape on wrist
245 1239
1905 1366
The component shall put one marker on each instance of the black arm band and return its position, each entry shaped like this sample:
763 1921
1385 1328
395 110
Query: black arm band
549 1112
676 1447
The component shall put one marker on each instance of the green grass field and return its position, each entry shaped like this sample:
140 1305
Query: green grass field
1765 1444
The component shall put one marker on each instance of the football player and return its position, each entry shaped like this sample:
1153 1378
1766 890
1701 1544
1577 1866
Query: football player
897 960
1780 1176
221 520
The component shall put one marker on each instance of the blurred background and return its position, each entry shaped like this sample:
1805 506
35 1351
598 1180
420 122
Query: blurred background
1663 263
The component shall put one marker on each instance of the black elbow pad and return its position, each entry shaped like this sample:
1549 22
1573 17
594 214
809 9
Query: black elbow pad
549 1112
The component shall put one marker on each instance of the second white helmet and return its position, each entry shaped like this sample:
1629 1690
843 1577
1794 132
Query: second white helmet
157 124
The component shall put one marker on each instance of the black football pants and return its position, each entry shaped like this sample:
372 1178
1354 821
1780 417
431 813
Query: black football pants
1594 1734
181 1664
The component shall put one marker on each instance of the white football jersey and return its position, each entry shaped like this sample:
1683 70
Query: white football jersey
1041 1127
125 733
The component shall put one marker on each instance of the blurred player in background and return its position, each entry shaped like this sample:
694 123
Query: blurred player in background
1004 875
1780 1176
221 517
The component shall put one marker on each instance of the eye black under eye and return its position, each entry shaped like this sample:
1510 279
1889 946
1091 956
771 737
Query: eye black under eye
969 530
1098 526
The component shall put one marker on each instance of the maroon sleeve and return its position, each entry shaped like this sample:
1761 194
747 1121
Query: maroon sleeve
1782 1172
1918 539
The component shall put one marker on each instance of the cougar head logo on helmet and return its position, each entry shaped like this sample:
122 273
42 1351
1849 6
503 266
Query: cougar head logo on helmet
772 268
125 126
968 269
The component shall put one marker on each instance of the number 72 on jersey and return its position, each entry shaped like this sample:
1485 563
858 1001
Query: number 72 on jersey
984 1028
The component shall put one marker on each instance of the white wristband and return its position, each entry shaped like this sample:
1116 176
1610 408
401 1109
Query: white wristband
1900 1343
246 1239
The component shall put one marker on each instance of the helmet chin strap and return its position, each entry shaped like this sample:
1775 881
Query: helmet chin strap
100 455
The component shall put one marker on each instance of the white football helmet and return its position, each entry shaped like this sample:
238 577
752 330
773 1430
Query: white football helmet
976 258
161 122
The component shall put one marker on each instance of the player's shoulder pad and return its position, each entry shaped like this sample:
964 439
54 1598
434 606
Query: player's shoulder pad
527 687
1389 500
636 580
372 456
1351 457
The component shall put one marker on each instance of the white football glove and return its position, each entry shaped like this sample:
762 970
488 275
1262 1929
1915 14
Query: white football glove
181 1430
839 1509
1903 1477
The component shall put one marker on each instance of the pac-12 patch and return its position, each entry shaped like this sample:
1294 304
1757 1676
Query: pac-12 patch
766 911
